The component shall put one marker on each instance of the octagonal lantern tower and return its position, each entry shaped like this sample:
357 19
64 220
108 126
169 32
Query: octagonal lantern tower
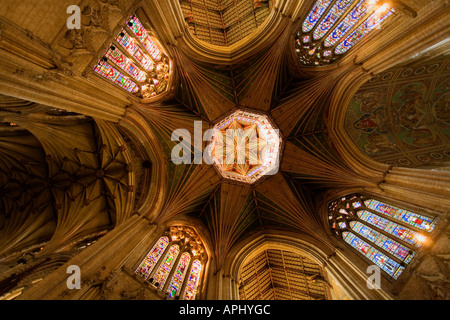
245 147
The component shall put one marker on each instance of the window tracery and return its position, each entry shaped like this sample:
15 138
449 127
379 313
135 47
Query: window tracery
175 263
136 62
333 27
386 235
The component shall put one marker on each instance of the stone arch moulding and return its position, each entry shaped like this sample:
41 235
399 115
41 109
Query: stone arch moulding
166 230
336 110
267 32
136 128
331 263
204 234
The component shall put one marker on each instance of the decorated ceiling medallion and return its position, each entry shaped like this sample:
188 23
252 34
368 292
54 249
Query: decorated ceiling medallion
245 147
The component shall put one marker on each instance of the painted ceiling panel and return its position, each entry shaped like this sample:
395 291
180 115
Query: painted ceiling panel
401 117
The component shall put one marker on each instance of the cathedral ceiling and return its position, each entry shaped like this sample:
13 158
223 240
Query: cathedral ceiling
64 176
88 168
224 22
282 275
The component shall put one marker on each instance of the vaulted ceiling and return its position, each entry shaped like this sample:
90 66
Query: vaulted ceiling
282 275
66 175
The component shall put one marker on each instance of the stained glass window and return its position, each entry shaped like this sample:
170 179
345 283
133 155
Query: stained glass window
398 250
333 15
143 36
180 273
109 72
333 27
416 220
147 265
126 64
386 235
165 267
390 227
384 262
315 14
136 62
193 281
169 267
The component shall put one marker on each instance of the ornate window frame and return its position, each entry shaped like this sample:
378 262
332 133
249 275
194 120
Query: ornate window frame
135 61
334 27
358 218
188 242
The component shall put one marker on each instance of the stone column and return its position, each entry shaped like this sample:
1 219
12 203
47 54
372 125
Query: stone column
234 289
215 283
98 263
425 188
352 280
227 288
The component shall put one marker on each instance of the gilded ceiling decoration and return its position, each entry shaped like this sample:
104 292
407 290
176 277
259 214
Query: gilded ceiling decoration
245 147
66 175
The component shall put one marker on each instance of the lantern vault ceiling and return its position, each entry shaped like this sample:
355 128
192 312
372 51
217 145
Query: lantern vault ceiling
66 175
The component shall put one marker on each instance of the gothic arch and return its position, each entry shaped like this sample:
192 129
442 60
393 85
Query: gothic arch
333 264
421 253
173 241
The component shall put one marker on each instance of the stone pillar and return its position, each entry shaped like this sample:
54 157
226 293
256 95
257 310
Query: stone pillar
234 289
215 284
425 188
98 263
352 280
227 289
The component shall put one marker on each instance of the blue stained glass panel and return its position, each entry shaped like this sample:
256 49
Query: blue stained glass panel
336 11
314 15
396 249
371 23
349 21
413 219
390 227
390 266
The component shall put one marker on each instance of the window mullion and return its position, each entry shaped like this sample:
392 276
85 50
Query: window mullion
138 42
172 270
129 56
387 234
382 250
399 222
333 27
124 72
160 260
186 278
360 21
